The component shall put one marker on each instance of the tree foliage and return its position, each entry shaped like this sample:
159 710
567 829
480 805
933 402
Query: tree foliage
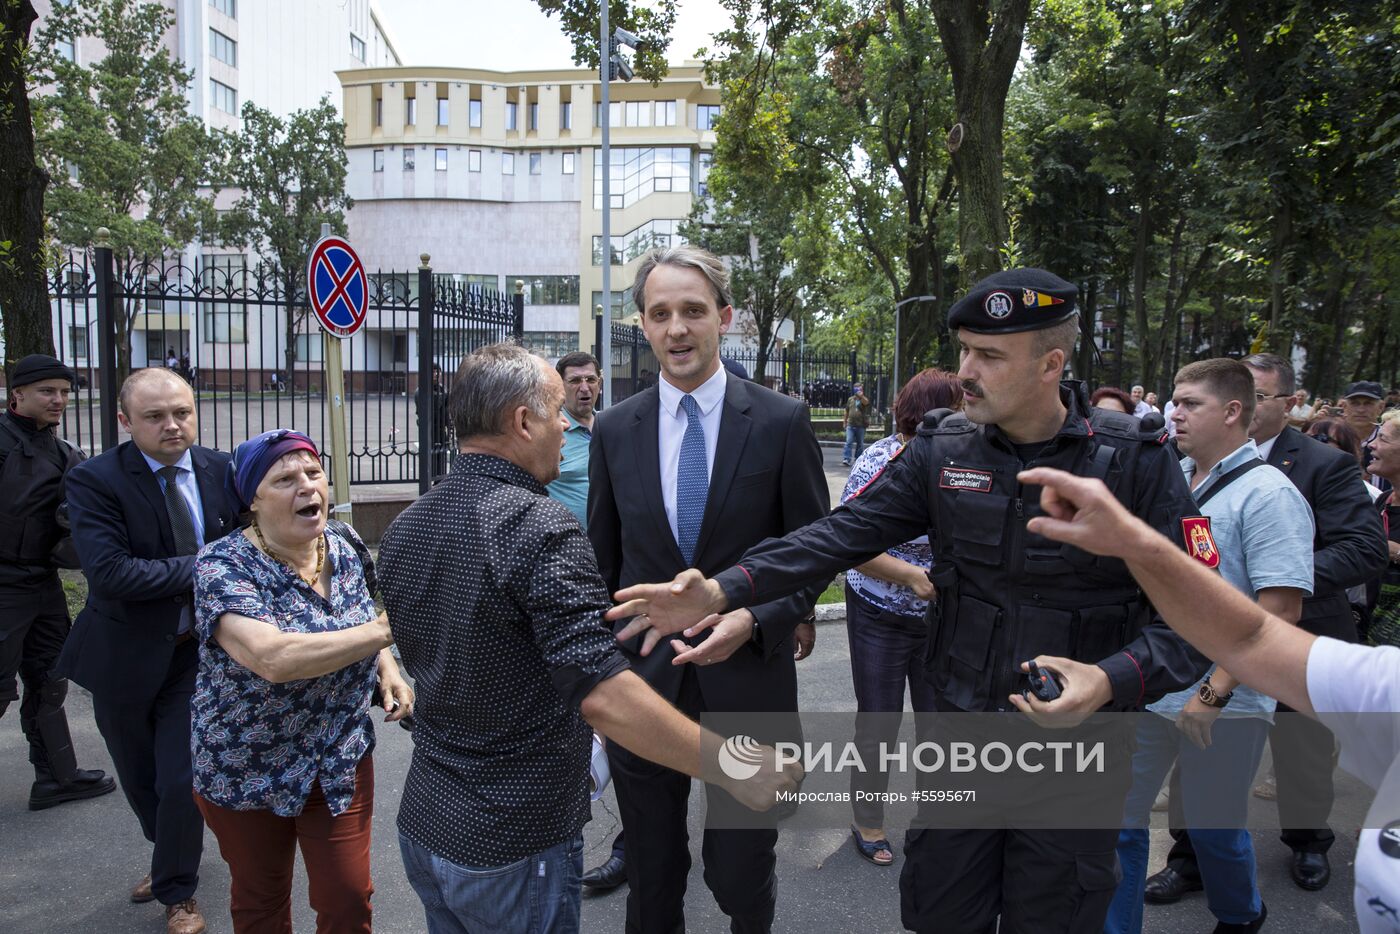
290 175
116 136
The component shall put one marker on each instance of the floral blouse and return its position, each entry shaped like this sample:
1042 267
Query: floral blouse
263 746
892 598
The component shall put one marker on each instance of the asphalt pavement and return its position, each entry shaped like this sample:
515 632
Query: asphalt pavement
67 870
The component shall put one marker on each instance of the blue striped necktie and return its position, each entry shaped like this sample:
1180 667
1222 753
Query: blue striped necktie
692 481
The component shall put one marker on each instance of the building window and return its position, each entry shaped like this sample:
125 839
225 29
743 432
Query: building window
568 163
702 173
77 342
440 160
637 173
442 111
222 322
379 111
533 115
379 160
66 49
536 163
473 160
662 232
615 113
566 116
552 344
548 290
510 115
309 348
410 111
357 48
409 159
621 302
637 113
665 113
223 97
705 116
507 163
227 7
222 48
474 113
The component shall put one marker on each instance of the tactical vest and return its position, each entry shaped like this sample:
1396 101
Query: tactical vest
32 480
1007 595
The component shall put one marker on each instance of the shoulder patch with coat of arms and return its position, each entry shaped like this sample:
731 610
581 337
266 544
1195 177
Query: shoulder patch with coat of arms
1200 543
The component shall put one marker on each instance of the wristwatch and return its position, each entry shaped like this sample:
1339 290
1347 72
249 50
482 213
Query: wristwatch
1210 698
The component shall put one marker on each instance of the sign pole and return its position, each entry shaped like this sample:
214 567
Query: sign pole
340 450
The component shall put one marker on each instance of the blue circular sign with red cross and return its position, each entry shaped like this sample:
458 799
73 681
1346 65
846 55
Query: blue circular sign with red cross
337 287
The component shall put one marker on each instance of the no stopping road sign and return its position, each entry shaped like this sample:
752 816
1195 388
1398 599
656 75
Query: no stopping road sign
337 287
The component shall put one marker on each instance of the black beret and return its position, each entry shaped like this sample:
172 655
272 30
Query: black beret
1014 300
36 367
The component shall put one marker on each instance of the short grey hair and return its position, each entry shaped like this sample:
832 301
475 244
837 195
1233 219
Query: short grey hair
491 382
1273 363
686 256
1059 336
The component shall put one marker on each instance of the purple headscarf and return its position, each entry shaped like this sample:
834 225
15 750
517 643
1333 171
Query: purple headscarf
254 458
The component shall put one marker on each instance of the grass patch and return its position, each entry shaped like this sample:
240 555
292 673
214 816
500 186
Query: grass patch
836 593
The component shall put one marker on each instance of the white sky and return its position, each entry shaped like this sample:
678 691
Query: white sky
510 35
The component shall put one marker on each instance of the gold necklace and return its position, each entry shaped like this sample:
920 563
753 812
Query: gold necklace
320 557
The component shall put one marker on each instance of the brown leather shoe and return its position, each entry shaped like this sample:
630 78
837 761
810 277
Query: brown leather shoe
184 918
141 893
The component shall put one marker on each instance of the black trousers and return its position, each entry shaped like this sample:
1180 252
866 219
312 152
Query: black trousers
739 864
33 626
1038 882
150 747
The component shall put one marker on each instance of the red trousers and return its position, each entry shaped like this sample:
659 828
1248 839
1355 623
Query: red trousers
260 849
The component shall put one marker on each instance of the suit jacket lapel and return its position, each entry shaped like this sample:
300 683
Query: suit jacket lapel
649 469
734 425
149 484
211 494
1284 453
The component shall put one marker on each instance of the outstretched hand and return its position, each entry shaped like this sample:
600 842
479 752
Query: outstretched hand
686 604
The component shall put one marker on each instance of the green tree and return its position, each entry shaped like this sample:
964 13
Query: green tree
651 23
24 293
291 178
119 143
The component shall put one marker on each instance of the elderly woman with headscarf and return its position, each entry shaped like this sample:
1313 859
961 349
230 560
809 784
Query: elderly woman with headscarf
290 649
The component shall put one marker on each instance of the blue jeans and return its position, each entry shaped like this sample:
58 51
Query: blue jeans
534 895
1215 784
855 441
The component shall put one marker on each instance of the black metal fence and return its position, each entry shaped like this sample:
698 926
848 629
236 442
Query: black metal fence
822 380
246 340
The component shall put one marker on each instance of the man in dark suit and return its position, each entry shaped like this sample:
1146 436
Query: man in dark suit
139 512
690 473
1349 548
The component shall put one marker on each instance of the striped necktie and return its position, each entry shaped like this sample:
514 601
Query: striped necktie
692 481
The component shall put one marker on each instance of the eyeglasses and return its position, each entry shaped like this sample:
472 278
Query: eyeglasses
583 381
1261 397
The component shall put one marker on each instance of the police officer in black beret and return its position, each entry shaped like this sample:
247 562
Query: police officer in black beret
1005 595
34 542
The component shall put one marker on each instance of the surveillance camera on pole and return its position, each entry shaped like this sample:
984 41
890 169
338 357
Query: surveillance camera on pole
622 68
626 38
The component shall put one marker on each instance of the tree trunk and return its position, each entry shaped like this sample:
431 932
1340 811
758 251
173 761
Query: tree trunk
24 291
1143 240
982 39
1084 365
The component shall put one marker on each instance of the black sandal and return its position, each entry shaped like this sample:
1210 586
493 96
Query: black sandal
868 848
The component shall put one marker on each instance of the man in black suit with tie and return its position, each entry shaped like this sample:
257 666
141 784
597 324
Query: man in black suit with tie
690 473
139 512
1349 548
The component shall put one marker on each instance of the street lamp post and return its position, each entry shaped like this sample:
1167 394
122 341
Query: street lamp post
894 382
608 62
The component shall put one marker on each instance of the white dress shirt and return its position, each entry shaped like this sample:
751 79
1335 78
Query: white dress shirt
672 422
1266 448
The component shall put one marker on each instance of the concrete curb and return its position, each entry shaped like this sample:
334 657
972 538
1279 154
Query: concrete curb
831 612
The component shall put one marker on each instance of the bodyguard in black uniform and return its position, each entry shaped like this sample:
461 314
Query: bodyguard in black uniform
33 612
1005 594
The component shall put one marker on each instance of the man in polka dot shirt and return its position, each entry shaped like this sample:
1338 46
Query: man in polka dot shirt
496 605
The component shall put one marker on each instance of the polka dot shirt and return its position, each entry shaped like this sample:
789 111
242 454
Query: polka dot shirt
496 604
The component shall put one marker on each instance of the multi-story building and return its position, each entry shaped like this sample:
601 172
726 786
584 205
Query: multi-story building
281 55
498 176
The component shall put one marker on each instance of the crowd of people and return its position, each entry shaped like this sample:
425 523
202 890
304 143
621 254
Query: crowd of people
1225 569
